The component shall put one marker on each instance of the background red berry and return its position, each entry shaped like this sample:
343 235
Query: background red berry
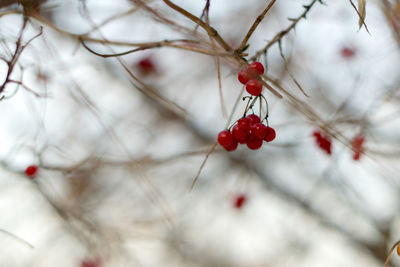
146 66
31 171
347 52
239 201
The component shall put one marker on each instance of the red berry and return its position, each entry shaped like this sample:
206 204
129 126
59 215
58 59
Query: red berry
254 87
348 52
91 263
256 67
270 135
244 123
232 146
253 118
146 66
239 201
358 142
225 138
324 142
244 76
259 130
31 171
240 133
254 143
317 134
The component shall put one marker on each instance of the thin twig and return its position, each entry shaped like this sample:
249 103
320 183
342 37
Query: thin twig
203 164
390 253
254 26
210 30
359 15
280 35
288 71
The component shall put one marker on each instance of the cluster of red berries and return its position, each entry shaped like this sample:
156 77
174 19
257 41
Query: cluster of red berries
357 145
248 130
250 76
323 141
31 171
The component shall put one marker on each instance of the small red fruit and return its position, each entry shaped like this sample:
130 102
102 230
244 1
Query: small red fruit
270 135
244 76
244 123
232 146
91 263
253 118
240 133
347 52
324 142
31 171
259 130
254 143
254 87
357 144
146 66
256 68
225 138
239 201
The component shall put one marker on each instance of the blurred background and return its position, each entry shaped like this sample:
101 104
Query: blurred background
118 139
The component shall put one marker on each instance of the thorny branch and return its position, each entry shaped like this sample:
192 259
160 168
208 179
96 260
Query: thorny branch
254 26
19 48
281 34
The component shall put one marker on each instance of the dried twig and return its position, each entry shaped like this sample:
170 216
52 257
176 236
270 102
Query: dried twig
281 34
254 26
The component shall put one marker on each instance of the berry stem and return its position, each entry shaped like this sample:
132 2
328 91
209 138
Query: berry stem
266 104
247 106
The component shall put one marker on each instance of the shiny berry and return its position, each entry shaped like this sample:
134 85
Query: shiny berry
232 146
239 201
241 133
270 135
259 130
31 171
254 87
255 67
254 143
253 118
244 76
225 138
244 123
